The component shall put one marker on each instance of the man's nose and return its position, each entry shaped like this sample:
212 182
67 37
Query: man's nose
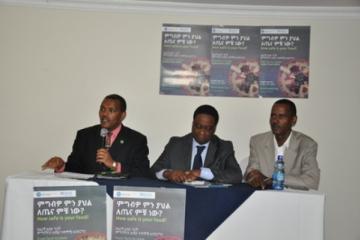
274 120
104 113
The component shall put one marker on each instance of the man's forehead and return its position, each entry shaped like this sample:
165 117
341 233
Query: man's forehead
110 103
279 106
204 117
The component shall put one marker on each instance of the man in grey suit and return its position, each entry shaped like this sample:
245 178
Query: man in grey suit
199 154
299 150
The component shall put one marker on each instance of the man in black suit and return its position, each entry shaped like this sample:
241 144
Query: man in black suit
199 154
126 151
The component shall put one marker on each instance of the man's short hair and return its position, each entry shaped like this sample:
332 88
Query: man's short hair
209 110
290 104
118 98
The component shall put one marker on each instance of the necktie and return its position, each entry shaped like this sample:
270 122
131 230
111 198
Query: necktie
197 159
108 140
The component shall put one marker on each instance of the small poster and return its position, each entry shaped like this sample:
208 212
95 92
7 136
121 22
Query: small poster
284 61
70 213
142 213
235 61
185 60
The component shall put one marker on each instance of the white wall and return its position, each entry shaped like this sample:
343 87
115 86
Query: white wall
56 65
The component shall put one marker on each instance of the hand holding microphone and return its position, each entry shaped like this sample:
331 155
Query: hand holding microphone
102 154
106 141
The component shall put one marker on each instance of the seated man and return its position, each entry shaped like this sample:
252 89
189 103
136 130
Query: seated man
126 150
299 150
199 154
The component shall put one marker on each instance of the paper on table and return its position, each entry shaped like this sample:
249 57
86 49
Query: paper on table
74 175
205 184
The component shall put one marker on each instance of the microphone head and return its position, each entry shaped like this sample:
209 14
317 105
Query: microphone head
103 132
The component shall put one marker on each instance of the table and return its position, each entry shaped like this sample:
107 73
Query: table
300 214
284 215
206 208
18 203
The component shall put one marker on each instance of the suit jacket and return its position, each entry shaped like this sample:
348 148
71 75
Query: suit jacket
301 166
129 148
219 158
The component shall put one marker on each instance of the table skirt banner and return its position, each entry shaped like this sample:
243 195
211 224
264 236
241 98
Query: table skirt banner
148 213
70 212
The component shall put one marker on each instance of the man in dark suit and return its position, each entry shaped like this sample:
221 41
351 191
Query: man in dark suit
199 154
125 151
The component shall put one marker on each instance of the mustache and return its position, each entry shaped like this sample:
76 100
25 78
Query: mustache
274 126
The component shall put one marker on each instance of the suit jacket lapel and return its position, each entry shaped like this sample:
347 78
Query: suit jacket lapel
211 152
270 150
187 151
290 152
120 140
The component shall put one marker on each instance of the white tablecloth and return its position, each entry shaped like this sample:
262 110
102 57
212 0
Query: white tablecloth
280 215
18 205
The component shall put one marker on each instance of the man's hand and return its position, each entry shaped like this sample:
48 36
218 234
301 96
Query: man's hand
180 176
103 156
192 175
55 163
175 175
256 179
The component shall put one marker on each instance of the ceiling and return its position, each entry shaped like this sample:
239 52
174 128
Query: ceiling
304 3
279 8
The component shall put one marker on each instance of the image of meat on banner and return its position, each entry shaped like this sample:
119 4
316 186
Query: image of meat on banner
70 213
143 213
235 61
185 60
284 61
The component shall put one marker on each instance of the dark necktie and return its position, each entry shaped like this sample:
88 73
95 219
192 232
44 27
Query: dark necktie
197 159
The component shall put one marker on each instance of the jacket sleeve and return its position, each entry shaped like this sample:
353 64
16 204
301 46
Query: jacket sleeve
253 158
225 167
309 177
73 163
139 162
163 161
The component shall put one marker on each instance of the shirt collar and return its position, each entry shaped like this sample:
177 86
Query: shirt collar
116 131
195 143
281 150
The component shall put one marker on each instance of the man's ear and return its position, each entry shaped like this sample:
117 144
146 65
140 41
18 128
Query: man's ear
123 116
294 119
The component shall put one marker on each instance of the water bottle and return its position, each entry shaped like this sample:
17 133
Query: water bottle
278 176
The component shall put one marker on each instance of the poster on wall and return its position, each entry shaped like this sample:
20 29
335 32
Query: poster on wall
70 213
148 213
235 61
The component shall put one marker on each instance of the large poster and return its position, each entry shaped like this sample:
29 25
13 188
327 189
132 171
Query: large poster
235 61
142 213
70 213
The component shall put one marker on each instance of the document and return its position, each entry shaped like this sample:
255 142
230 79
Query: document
74 175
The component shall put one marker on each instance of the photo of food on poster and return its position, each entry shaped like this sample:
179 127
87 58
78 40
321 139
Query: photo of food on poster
70 213
284 61
235 61
185 68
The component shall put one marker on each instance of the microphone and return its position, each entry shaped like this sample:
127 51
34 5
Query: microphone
103 134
